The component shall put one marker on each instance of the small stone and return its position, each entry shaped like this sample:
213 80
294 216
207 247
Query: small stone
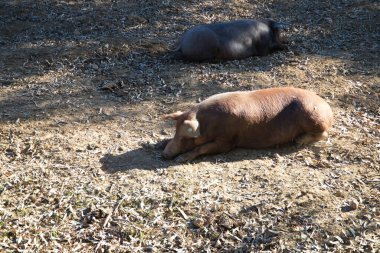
339 194
225 222
148 249
218 244
198 222
181 27
278 157
353 204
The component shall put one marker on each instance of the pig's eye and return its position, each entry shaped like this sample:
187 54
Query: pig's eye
189 129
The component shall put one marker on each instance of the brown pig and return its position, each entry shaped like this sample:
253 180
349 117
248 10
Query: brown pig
231 40
249 119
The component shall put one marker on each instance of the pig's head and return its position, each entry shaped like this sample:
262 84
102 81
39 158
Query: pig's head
187 130
277 39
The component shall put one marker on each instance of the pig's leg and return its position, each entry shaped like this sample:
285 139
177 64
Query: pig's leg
207 148
308 138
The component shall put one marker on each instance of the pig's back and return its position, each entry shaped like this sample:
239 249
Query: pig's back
263 118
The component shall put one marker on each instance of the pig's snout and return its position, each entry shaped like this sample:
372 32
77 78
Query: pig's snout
168 151
183 140
166 155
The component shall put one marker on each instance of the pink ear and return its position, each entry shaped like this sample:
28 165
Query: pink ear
173 116
192 128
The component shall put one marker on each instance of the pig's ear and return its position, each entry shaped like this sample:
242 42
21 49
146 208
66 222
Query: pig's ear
173 116
191 128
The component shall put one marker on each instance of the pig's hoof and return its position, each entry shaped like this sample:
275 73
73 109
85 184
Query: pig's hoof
183 158
299 142
308 138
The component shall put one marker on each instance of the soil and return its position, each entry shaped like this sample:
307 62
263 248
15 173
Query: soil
84 85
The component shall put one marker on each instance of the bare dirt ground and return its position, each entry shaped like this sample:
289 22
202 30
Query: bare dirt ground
83 85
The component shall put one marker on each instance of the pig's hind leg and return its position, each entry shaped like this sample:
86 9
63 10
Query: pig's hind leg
214 147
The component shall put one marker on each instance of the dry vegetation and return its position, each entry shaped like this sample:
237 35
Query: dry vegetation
83 85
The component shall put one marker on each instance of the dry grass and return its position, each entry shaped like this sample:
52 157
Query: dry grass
83 85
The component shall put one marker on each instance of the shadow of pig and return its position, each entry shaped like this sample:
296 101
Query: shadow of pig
147 157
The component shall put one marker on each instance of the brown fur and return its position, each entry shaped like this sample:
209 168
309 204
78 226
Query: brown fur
250 119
